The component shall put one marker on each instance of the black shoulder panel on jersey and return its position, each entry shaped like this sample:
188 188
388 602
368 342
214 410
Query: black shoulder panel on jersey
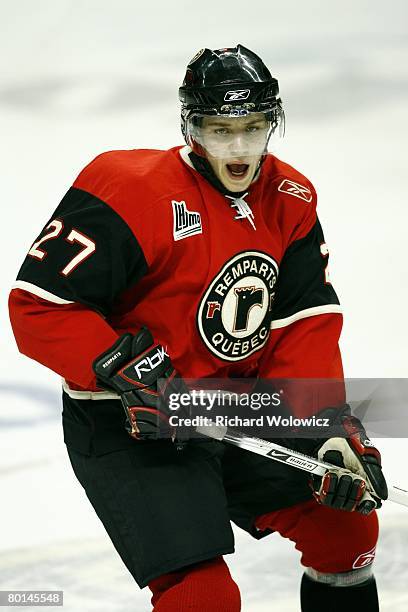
302 279
86 253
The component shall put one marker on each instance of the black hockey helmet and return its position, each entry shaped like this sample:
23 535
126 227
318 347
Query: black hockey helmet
229 82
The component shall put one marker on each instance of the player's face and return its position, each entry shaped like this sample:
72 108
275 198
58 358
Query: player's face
234 146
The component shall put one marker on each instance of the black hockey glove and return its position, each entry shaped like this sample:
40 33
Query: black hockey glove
142 374
352 450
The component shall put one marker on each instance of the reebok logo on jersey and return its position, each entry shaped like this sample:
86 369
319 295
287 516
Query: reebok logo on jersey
238 94
185 223
296 190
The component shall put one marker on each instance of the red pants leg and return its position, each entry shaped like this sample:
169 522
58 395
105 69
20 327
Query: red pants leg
330 540
338 548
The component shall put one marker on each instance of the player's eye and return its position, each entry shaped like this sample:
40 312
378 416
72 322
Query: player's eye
252 129
221 131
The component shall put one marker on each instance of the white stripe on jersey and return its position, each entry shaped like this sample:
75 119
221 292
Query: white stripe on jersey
88 395
308 312
42 293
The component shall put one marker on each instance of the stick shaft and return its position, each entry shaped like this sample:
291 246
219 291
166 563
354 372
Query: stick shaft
285 455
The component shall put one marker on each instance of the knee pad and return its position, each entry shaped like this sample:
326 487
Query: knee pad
203 587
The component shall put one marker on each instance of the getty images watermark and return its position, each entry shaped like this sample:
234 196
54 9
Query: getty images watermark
213 401
290 407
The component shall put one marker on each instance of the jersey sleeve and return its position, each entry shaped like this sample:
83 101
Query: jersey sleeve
78 266
304 287
306 326
85 254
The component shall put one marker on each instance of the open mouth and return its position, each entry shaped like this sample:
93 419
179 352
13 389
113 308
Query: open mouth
237 171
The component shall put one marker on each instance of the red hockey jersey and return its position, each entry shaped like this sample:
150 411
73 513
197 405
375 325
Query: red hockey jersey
232 287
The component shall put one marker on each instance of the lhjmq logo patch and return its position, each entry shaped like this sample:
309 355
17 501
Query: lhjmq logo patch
235 313
185 222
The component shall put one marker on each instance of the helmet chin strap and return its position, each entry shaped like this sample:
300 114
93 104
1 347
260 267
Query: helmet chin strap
203 166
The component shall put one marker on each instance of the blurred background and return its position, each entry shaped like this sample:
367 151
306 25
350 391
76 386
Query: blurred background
81 77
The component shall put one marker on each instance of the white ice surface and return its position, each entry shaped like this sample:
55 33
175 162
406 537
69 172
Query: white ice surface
82 77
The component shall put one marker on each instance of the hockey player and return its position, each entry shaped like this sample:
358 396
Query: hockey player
203 261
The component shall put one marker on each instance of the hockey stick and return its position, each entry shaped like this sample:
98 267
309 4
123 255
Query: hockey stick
288 456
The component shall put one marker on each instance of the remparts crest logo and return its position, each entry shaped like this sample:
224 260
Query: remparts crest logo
235 313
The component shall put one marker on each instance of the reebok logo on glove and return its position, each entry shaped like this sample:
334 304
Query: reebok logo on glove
133 368
150 362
